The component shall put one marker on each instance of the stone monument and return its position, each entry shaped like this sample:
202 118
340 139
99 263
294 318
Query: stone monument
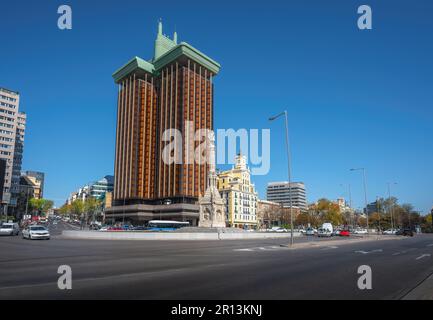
212 207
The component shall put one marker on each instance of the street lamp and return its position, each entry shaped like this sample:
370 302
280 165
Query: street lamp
365 192
289 168
391 209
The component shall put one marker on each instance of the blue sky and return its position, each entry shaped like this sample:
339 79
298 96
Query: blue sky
355 98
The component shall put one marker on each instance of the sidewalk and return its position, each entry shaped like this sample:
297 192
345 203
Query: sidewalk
423 291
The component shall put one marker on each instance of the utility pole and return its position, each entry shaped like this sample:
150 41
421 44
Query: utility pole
289 169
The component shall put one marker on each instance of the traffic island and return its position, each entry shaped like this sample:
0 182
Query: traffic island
209 234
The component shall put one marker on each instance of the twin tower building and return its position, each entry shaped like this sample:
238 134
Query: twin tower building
174 90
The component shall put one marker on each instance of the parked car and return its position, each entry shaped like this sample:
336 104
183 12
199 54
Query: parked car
94 226
336 232
36 232
139 228
360 231
309 232
344 233
113 228
390 231
10 229
324 232
405 232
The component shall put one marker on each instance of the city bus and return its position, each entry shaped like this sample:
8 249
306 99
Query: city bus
165 225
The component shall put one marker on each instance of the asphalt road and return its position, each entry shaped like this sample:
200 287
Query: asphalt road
244 269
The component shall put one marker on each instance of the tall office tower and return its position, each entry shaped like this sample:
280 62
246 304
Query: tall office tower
12 127
172 91
282 192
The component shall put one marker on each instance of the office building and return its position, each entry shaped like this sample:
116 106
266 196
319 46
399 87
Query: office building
12 131
29 187
282 192
97 190
173 90
239 195
40 177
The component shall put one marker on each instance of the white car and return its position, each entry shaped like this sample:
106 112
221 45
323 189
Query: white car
324 232
360 231
390 231
36 232
10 229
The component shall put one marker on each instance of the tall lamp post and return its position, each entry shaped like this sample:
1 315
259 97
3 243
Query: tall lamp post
365 192
284 113
391 209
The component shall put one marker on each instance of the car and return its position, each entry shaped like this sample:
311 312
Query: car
94 226
322 232
141 228
344 233
10 229
36 232
336 232
390 231
360 231
405 232
113 228
309 232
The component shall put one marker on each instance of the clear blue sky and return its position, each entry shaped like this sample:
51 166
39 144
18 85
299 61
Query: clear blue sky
355 98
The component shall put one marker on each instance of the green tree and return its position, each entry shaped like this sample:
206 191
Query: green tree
92 207
40 206
77 208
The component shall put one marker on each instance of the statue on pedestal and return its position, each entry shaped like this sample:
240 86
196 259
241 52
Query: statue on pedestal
212 207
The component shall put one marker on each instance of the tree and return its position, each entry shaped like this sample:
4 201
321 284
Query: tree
77 208
327 211
91 207
40 206
65 209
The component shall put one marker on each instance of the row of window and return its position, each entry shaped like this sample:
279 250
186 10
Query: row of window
6 132
5 104
7 112
7 125
8 98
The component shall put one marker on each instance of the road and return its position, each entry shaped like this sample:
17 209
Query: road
244 269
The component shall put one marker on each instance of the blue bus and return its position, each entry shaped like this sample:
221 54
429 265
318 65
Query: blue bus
165 225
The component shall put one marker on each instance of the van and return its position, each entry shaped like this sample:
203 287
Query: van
326 230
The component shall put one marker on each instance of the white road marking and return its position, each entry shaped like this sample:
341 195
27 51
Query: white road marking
367 252
430 245
268 248
423 256
330 247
